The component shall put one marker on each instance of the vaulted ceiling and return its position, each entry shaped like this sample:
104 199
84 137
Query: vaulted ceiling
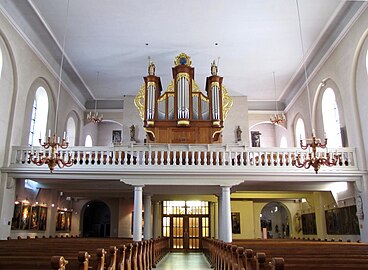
251 38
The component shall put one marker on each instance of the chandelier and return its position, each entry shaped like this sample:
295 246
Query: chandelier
278 118
56 157
95 117
313 158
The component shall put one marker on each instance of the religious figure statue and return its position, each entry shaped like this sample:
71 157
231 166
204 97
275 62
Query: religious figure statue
151 67
238 134
132 133
214 69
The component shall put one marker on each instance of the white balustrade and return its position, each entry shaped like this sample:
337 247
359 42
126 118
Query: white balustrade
154 155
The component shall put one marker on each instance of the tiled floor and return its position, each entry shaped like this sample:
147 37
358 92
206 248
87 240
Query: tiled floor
179 261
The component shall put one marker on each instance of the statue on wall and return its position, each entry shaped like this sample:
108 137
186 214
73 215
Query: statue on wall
214 68
238 134
256 138
151 67
132 133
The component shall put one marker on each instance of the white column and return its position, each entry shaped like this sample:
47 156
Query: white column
226 215
137 222
216 220
220 225
157 220
147 217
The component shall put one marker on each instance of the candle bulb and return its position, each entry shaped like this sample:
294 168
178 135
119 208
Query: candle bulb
49 133
313 133
64 136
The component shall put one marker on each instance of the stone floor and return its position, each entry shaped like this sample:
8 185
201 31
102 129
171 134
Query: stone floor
179 261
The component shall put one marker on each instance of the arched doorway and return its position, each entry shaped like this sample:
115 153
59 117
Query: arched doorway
96 219
275 221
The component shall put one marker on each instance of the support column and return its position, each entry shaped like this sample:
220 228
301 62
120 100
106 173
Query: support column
216 220
147 218
226 215
137 222
220 225
157 218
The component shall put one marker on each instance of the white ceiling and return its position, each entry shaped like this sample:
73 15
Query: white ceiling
255 38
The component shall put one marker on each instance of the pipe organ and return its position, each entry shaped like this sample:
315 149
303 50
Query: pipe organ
183 114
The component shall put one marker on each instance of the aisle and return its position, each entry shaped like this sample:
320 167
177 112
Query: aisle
179 261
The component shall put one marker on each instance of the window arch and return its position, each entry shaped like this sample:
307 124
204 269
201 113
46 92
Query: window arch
40 110
331 119
71 131
88 141
299 130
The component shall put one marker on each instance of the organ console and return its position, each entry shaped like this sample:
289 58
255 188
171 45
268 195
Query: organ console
183 114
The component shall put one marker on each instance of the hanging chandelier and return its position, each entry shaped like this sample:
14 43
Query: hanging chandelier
313 158
55 157
278 118
95 117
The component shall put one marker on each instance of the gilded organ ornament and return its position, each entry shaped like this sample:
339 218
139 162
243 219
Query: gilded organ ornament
183 114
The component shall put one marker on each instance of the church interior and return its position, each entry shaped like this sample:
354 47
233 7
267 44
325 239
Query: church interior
231 122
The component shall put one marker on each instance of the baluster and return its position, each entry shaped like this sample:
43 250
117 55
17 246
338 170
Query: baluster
167 158
199 157
187 157
174 157
180 157
148 157
155 154
211 158
126 153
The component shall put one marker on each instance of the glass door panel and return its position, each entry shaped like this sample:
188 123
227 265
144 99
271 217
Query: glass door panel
178 232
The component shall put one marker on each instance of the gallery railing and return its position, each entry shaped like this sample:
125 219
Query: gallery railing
182 155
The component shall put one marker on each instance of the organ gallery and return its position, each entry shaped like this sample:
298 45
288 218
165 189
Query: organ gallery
183 113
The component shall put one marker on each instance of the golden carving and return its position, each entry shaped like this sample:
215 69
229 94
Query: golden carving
151 132
227 102
183 75
150 123
183 56
216 123
163 97
151 84
204 98
139 101
195 87
183 122
215 84
170 88
216 132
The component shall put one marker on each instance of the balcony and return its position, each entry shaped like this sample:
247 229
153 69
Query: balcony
205 164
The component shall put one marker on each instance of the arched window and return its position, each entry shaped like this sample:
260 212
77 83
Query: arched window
70 131
299 131
88 142
40 110
283 142
331 120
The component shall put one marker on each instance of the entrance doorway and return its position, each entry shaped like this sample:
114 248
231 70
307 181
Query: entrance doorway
275 221
186 223
96 220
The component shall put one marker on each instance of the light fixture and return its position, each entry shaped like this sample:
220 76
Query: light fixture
56 157
312 158
278 117
95 117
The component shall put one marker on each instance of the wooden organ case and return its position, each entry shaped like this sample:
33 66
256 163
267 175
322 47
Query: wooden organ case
183 114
